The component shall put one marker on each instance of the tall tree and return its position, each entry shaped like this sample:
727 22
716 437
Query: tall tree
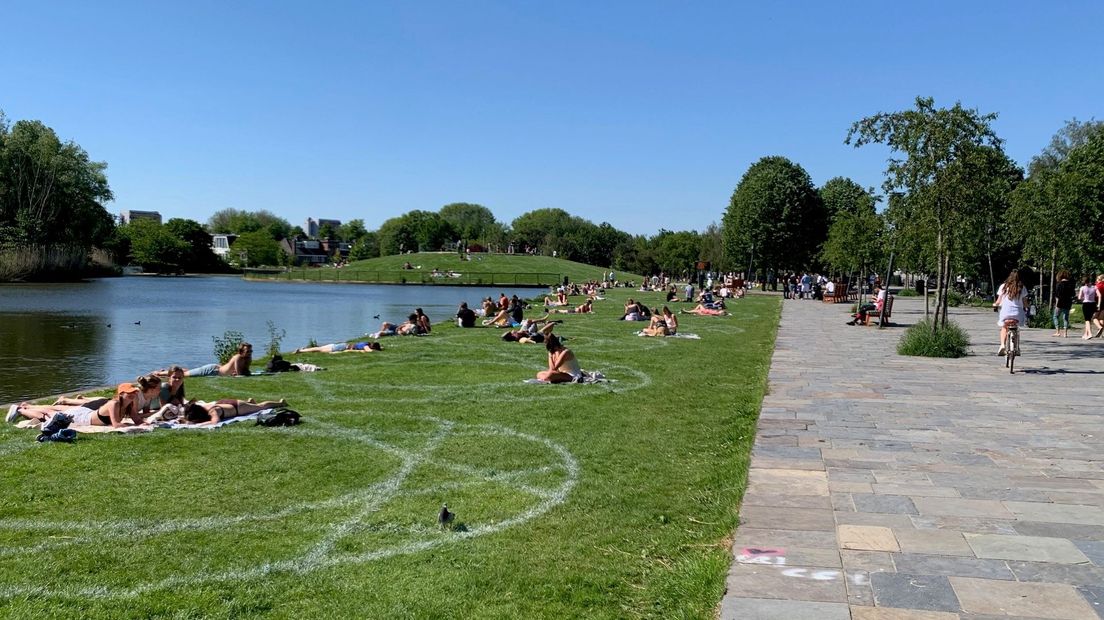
51 193
842 195
199 257
155 247
936 157
470 221
416 230
775 218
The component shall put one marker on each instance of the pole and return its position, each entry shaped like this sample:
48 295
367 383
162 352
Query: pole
885 304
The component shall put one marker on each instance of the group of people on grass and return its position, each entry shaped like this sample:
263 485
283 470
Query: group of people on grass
150 398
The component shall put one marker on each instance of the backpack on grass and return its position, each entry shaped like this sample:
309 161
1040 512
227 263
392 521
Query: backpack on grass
281 416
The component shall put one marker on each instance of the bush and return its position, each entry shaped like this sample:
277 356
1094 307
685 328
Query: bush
954 299
275 335
908 292
1042 319
948 341
227 345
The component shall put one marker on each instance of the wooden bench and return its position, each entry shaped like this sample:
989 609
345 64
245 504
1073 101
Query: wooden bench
875 316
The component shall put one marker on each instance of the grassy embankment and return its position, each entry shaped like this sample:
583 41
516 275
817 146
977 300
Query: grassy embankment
601 501
485 269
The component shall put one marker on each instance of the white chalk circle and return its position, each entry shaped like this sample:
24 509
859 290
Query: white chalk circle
349 528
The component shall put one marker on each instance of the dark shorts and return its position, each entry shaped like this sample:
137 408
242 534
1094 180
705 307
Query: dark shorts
1088 309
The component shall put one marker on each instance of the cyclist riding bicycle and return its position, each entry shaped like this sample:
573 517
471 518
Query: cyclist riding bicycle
1012 300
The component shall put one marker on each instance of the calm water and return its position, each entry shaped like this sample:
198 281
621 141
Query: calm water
62 337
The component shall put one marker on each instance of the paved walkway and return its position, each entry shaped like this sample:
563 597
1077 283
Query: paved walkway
884 487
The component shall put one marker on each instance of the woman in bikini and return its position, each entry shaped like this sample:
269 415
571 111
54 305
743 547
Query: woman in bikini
563 367
112 413
343 347
209 414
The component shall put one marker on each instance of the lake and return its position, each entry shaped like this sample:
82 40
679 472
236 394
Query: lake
58 338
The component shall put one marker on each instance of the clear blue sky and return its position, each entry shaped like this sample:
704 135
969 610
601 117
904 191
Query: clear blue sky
642 114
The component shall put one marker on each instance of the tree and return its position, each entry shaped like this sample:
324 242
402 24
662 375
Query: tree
51 193
712 248
854 242
155 247
470 221
676 251
235 221
775 217
199 257
415 230
367 246
1048 216
327 231
936 158
535 227
842 195
255 249
352 231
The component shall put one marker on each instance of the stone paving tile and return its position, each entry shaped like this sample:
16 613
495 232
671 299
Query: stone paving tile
915 490
797 583
948 506
887 613
1039 600
930 592
751 537
773 609
1093 549
868 561
1072 531
973 525
763 517
859 591
873 518
886 504
866 538
921 564
1026 548
1056 513
1095 597
936 542
1076 574
787 501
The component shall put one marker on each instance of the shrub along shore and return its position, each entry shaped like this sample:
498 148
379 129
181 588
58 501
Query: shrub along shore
609 500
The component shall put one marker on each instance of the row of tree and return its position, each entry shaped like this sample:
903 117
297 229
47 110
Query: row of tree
957 205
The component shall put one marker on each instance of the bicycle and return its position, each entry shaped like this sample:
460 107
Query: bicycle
1011 344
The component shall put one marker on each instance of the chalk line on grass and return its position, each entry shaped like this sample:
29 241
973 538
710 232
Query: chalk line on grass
322 554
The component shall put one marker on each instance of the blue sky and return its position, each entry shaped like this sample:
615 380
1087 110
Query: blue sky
642 114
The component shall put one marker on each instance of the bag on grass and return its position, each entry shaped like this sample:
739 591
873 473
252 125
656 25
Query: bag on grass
278 417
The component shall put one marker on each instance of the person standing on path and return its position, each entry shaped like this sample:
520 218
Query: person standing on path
1063 301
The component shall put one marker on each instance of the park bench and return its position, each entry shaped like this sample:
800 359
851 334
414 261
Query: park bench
874 316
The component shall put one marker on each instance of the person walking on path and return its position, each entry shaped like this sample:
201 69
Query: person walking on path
1088 298
1063 301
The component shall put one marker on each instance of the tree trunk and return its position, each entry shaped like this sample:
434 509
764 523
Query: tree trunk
1053 260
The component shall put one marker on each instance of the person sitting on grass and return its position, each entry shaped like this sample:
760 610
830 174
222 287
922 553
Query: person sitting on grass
423 321
561 299
209 414
563 367
635 311
502 319
112 413
587 307
664 323
465 317
489 308
672 296
343 347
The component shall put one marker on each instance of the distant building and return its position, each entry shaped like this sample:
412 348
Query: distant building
220 244
305 251
314 226
127 217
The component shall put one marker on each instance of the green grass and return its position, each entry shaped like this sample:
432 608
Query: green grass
483 269
949 341
599 501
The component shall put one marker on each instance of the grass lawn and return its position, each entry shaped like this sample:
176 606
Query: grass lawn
488 269
601 501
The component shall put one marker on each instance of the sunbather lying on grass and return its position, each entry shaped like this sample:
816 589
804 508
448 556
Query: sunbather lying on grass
209 414
343 347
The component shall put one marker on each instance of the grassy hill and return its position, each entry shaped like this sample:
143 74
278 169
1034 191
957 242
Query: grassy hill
486 269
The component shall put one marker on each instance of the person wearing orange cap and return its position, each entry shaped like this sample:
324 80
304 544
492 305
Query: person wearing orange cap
112 413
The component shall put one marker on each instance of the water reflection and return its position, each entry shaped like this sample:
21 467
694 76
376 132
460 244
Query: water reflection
62 337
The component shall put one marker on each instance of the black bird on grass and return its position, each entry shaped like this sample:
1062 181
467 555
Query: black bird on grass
445 518
376 317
